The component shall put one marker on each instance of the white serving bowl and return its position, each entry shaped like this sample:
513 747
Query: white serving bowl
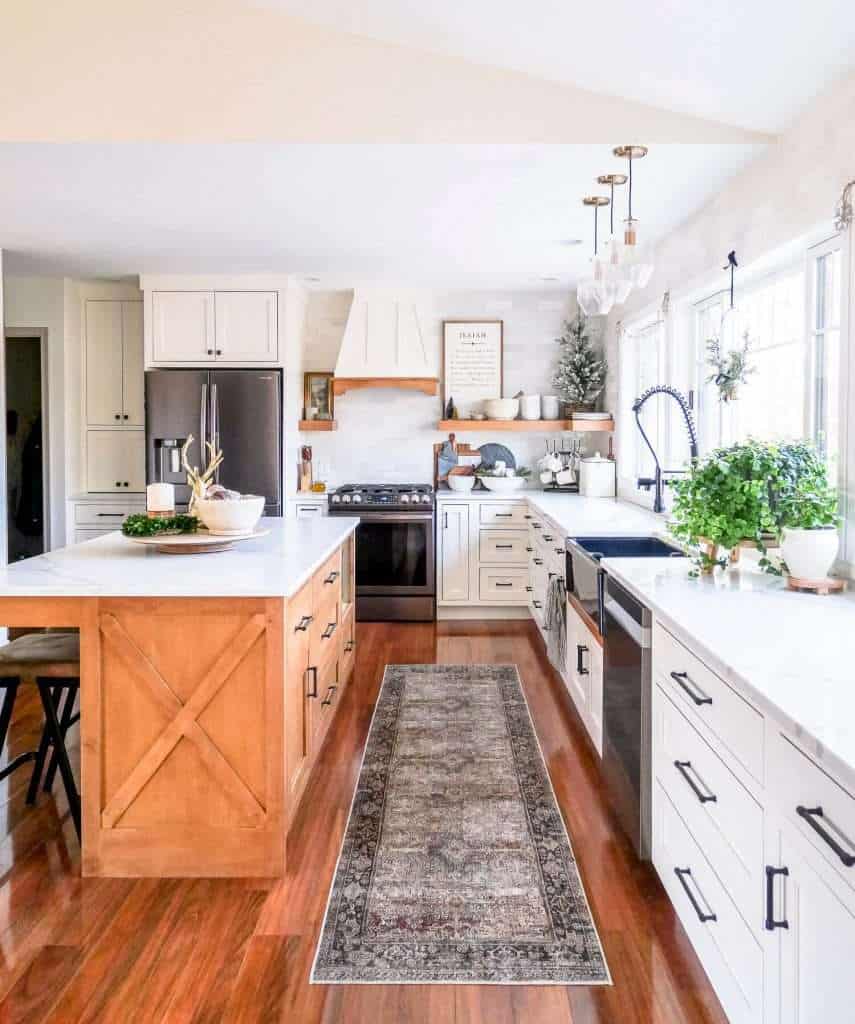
458 482
503 483
502 408
231 518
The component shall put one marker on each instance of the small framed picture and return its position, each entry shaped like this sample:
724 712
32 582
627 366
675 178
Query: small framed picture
318 396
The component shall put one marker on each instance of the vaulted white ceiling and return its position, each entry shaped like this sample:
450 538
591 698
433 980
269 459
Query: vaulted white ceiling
753 64
430 215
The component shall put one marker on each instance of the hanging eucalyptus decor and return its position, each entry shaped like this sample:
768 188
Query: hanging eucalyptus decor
728 359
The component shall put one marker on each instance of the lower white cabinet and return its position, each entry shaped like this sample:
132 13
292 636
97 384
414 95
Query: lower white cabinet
453 561
115 461
307 508
583 675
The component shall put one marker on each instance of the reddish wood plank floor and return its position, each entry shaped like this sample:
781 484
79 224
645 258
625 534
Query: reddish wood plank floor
111 950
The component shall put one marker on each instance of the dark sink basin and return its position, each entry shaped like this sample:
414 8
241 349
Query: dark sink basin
627 547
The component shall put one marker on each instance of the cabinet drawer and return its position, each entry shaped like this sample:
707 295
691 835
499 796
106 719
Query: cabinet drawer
322 699
503 586
494 513
709 700
503 546
308 511
326 583
347 645
104 516
821 810
723 817
81 536
324 631
731 956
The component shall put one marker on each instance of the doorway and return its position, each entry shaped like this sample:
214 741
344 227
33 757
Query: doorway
26 473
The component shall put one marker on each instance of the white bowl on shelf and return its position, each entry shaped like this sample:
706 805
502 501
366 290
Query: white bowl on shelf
231 518
503 483
502 408
459 482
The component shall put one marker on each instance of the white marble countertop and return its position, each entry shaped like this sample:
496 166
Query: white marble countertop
793 655
113 566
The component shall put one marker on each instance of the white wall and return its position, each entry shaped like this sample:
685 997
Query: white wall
787 193
389 435
38 303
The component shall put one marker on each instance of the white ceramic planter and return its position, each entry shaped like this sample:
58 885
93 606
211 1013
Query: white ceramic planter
809 554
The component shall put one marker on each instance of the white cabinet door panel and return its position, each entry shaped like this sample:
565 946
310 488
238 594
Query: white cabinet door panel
103 363
246 326
182 329
133 372
115 461
454 552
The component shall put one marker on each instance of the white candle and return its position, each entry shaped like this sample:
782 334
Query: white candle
160 498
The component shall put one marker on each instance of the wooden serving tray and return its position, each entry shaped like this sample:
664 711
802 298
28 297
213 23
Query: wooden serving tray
195 543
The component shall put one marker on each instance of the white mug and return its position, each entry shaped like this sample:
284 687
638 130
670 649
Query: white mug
549 407
530 407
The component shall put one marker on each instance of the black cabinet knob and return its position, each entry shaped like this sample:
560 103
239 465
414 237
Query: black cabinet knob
118 417
125 416
219 351
209 351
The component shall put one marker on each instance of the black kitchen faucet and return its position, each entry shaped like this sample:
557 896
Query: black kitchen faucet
657 481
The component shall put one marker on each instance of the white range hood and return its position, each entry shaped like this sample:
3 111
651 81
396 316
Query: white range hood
388 342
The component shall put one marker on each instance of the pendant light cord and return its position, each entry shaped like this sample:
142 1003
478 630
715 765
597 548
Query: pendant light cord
612 209
596 215
732 264
629 187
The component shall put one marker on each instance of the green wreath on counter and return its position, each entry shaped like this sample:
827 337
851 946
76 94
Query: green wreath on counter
140 525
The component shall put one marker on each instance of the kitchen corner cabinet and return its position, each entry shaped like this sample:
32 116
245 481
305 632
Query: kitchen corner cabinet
113 356
199 327
454 552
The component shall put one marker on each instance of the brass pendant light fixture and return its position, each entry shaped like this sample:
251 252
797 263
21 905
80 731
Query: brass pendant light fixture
596 294
639 266
616 269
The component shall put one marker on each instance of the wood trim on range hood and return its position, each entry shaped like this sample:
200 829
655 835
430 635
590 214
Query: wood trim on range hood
427 385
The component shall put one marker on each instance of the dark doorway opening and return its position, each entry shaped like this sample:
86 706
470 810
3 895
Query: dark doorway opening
25 470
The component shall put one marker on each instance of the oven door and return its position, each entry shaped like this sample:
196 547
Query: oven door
395 554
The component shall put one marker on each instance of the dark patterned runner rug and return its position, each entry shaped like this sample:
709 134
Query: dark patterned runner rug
456 866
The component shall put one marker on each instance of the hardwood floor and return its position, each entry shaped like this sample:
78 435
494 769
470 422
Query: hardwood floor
183 951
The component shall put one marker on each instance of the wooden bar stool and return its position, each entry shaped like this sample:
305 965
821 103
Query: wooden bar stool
51 661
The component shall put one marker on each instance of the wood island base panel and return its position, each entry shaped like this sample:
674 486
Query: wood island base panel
188 707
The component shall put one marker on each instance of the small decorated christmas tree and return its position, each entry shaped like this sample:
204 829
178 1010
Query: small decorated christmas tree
581 373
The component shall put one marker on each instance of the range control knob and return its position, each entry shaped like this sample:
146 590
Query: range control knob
357 498
346 499
426 499
404 499
335 499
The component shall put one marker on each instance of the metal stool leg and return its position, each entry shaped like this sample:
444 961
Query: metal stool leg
66 719
53 727
41 754
10 685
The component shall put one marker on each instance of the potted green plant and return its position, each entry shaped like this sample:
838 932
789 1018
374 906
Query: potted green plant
806 511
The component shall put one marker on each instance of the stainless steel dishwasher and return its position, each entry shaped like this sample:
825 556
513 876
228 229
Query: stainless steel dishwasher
627 694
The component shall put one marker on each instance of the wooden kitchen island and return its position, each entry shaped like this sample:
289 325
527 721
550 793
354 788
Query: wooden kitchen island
207 684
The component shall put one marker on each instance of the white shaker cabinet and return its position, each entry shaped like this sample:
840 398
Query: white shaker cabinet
115 461
114 363
182 328
245 326
453 552
133 368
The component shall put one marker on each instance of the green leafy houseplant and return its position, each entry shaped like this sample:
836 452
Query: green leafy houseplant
140 525
729 369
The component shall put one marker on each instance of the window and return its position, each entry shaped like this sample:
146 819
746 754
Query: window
641 365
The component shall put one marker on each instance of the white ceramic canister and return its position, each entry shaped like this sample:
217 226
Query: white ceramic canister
597 477
530 407
549 407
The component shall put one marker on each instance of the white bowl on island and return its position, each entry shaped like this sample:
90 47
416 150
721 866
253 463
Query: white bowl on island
231 517
503 483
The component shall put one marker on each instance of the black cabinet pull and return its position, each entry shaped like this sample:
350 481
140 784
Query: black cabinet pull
529 550
528 590
117 416
560 551
209 351
504 547
810 815
219 351
329 697
537 604
348 647
118 483
537 526
333 576
683 768
549 575
581 651
771 924
328 632
537 561
527 516
125 416
503 584
680 678
314 670
503 515
127 484
110 515
303 624
547 537
682 874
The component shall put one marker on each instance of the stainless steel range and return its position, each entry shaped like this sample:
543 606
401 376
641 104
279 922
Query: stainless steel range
395 542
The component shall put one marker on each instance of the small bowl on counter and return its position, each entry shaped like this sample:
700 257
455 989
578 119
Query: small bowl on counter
503 483
502 408
461 483
231 517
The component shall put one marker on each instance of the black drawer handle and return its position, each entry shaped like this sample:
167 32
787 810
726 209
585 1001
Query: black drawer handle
549 575
560 551
503 515
810 815
683 768
771 924
348 647
537 604
304 623
529 550
497 584
682 874
314 670
527 516
581 651
328 632
110 515
329 697
547 536
504 547
680 678
537 526
333 576
528 590
537 561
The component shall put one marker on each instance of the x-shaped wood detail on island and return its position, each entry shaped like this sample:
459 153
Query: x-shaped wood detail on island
184 719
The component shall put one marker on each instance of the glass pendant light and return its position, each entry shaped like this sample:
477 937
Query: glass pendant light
596 294
615 259
639 265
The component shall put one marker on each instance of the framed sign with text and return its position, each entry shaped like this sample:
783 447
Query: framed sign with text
471 363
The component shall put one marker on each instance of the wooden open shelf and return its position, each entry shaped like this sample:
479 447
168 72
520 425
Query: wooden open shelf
318 425
427 385
526 426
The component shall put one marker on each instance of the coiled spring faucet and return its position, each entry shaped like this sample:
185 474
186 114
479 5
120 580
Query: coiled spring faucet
656 481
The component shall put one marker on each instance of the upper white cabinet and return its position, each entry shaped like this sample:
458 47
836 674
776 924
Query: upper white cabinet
198 327
182 327
114 363
245 326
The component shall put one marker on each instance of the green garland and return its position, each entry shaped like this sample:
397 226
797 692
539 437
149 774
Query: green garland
140 525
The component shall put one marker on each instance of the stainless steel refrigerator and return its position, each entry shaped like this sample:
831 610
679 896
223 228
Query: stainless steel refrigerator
238 411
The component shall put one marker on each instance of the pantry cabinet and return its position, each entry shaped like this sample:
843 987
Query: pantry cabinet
113 355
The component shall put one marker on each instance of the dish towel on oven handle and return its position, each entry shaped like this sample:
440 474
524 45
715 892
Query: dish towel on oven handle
555 621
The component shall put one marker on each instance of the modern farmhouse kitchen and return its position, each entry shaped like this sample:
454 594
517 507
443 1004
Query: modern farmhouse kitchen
427 554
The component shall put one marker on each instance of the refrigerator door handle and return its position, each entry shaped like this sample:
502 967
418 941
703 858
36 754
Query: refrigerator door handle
203 421
215 425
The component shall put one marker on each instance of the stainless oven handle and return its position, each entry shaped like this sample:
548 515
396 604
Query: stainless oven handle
391 517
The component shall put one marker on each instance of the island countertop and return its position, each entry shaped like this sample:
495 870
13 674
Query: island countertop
276 565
